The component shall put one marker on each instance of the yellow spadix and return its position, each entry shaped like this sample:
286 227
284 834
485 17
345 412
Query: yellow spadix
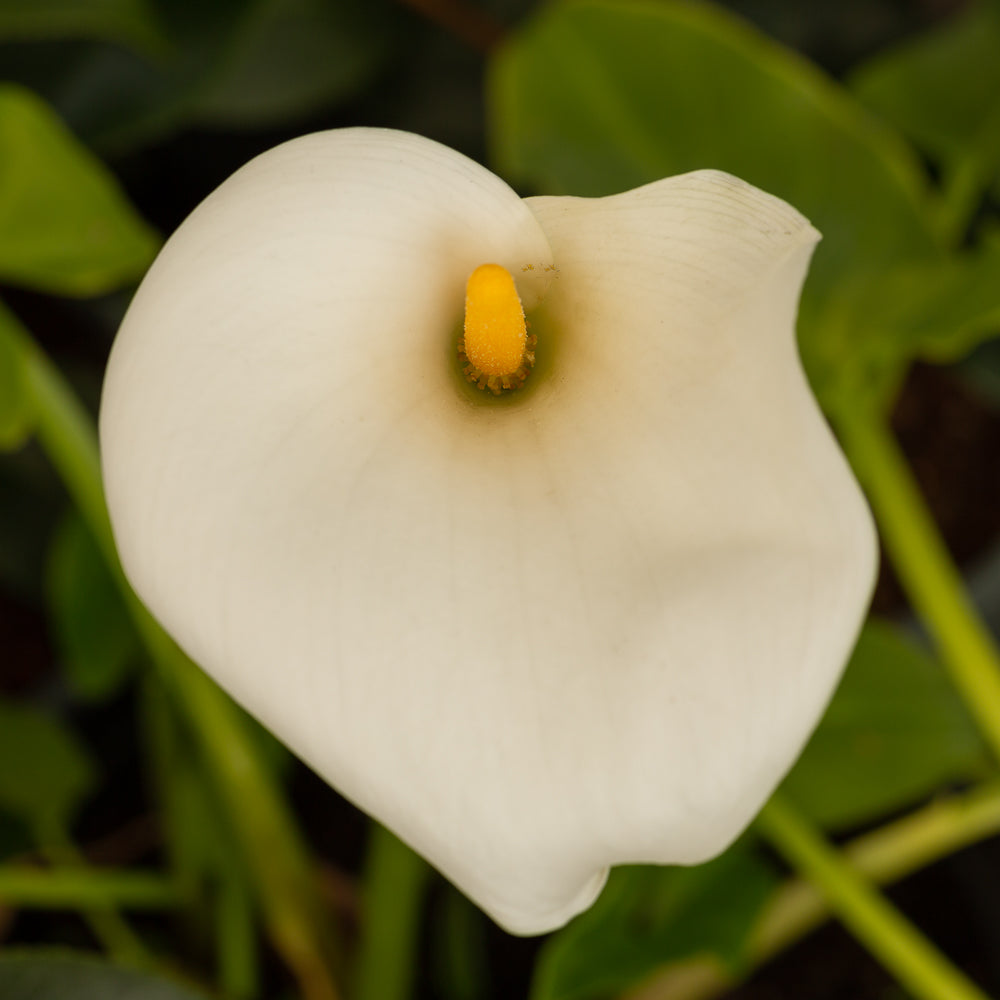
496 336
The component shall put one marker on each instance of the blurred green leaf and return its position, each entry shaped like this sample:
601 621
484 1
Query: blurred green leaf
894 733
290 57
47 773
945 310
16 415
31 499
232 64
981 374
131 22
648 916
65 226
50 974
593 97
942 89
93 630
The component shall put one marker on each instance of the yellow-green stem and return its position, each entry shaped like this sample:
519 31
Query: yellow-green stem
76 887
106 923
925 568
879 926
395 879
888 853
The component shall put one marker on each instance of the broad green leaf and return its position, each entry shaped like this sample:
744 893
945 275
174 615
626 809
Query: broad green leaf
65 226
894 733
290 57
54 974
945 310
648 916
131 22
942 89
232 64
47 772
16 414
92 628
593 97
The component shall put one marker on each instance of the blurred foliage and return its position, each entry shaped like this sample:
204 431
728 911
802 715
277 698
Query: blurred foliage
895 732
67 228
53 975
15 398
899 168
54 773
229 63
131 22
648 916
94 635
942 91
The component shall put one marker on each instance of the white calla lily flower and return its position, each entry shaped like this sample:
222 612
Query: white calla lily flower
587 621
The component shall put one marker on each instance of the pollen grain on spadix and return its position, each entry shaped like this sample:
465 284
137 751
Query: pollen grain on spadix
496 349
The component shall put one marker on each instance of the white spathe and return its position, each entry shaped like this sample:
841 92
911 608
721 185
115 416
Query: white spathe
591 625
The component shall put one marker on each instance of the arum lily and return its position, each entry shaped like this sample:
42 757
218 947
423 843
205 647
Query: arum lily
567 589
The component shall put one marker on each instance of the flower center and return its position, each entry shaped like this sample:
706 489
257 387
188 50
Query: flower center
496 348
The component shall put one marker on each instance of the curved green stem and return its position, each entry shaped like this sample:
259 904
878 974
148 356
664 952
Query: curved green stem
395 879
884 855
879 926
270 840
925 568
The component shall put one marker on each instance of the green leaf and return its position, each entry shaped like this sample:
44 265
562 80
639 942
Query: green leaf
93 630
945 310
50 974
894 733
593 97
131 22
648 916
54 772
31 499
459 958
16 414
290 57
942 89
232 64
981 375
65 226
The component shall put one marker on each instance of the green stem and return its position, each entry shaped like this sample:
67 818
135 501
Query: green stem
885 855
891 852
285 878
925 569
188 800
395 880
269 837
236 934
106 923
881 928
75 888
